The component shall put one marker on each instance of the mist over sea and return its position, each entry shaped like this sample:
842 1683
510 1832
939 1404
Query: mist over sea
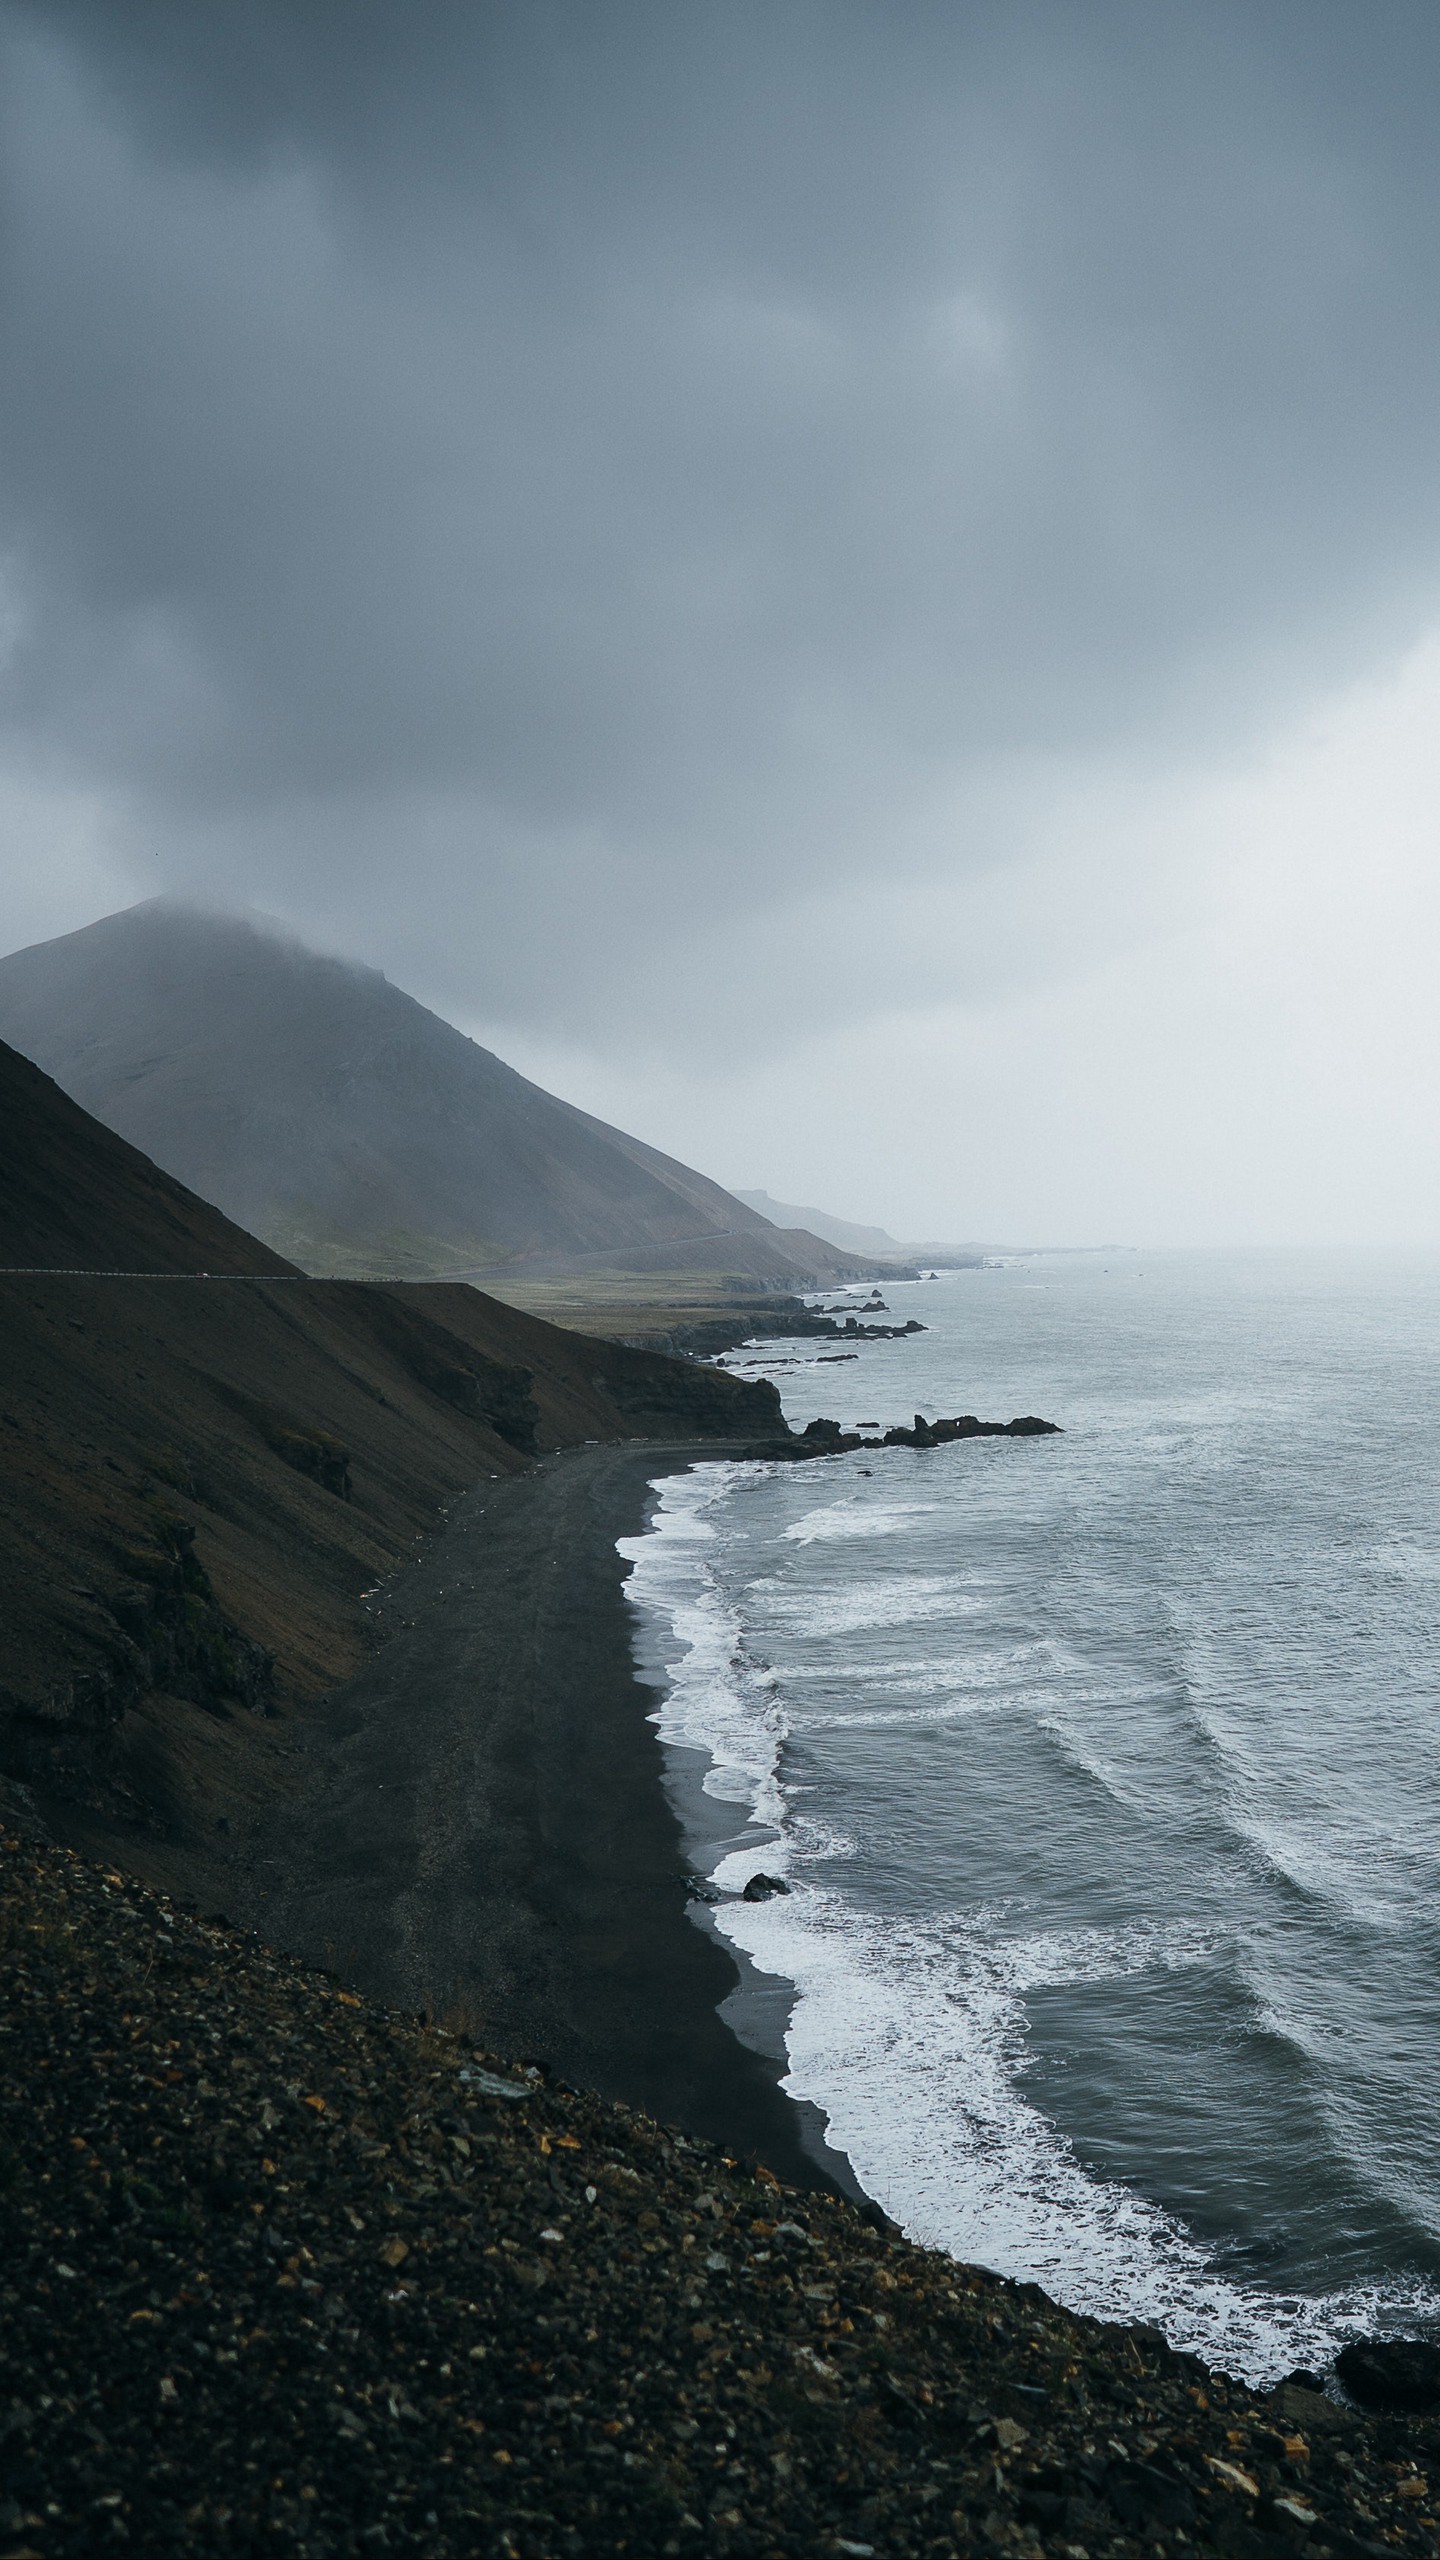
1104 1774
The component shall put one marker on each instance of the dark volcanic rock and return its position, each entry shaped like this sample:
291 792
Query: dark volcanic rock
1142 2496
166 1631
1392 2373
825 1439
777 1318
764 1888
965 1426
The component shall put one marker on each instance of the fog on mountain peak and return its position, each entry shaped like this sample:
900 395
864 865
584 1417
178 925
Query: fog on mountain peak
683 534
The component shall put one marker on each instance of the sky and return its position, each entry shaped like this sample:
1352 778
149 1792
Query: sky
856 588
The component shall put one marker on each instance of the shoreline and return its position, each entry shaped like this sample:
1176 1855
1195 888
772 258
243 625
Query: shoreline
516 1867
292 2221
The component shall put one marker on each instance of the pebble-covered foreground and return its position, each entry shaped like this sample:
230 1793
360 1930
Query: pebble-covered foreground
282 2273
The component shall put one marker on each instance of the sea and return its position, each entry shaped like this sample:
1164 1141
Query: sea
1103 1772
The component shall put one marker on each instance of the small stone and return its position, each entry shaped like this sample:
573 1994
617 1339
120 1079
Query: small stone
1230 2475
490 2085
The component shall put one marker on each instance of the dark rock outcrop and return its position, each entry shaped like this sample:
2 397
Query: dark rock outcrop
824 1438
778 1319
670 1399
158 1628
1399 2374
968 1426
311 1452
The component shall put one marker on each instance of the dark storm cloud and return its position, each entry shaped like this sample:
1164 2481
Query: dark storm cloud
499 456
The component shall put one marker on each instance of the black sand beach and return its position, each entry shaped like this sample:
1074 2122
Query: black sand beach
485 1834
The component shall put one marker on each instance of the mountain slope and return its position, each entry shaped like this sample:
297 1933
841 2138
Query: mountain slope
75 1197
330 1113
841 1232
209 1459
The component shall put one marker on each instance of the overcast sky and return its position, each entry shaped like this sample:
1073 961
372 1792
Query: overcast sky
854 587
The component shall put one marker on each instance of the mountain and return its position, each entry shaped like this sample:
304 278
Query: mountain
329 1113
841 1232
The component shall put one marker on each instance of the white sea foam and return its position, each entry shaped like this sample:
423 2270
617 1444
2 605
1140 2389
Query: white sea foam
891 1600
913 2040
953 1708
1077 1741
1411 1563
853 1519
893 1679
719 1702
1363 1878
911 2036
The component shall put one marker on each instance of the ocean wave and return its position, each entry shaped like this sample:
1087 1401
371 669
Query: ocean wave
912 1678
720 1701
854 1519
1405 1561
893 1600
1135 1785
911 2036
1365 1876
912 2041
951 1709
